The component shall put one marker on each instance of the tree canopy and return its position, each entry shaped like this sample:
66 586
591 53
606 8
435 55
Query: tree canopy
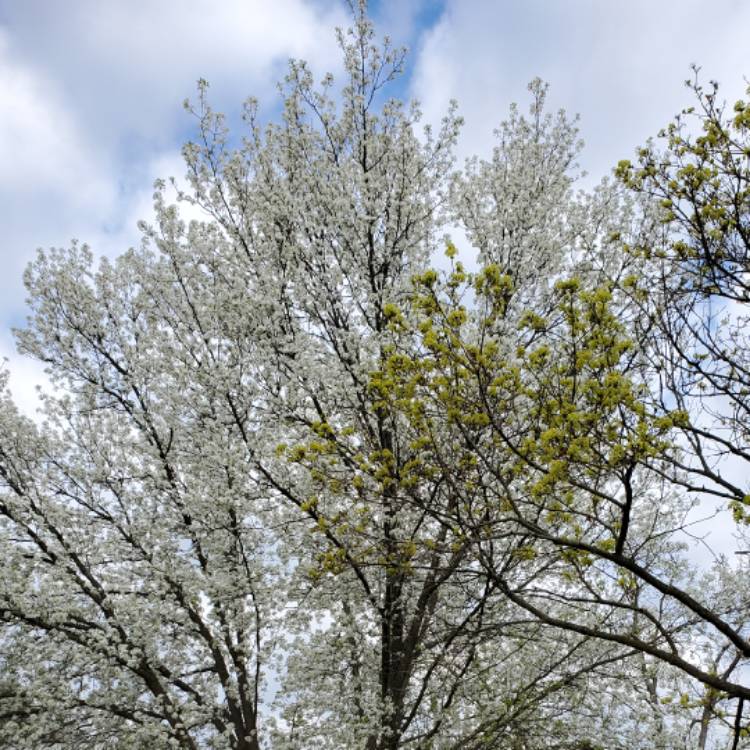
316 477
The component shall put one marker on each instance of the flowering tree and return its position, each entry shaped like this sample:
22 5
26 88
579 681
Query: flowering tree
297 489
598 403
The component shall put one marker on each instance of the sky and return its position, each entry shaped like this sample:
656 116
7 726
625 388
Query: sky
91 112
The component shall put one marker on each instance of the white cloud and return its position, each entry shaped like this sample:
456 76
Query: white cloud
621 65
41 146
129 65
51 172
402 20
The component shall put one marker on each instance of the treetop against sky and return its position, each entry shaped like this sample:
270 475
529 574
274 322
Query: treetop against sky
91 113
